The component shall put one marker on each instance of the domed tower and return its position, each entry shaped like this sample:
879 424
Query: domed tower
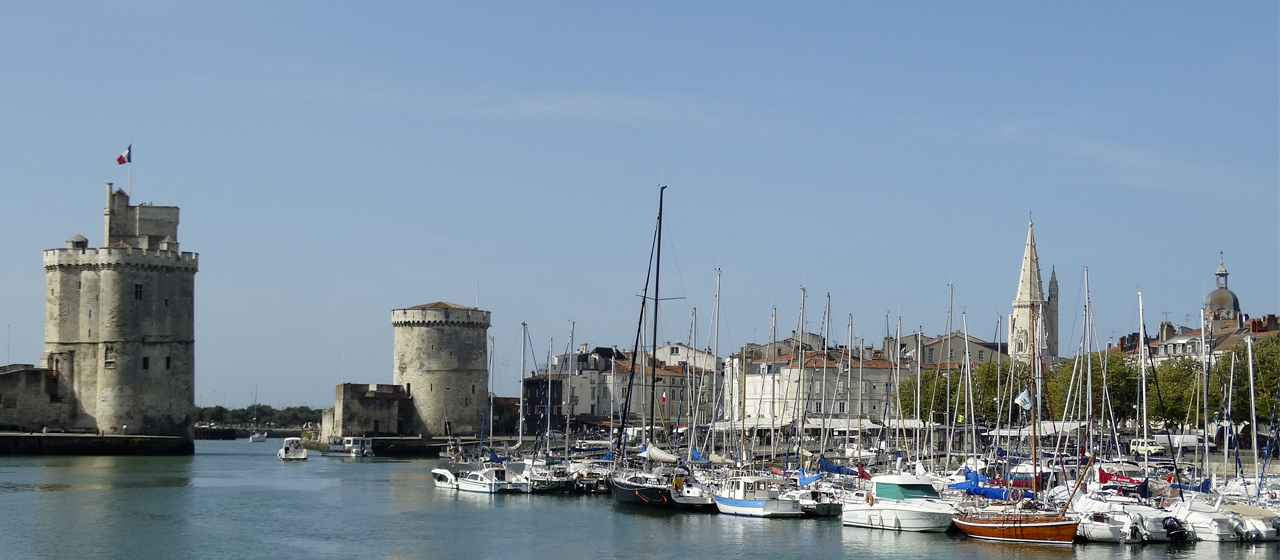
1221 304
441 358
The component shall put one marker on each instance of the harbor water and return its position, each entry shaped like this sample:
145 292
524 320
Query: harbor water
233 499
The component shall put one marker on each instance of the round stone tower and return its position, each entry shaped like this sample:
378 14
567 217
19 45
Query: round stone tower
441 358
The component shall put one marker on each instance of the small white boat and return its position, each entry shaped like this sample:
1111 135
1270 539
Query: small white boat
257 436
1125 520
292 450
350 447
899 502
444 478
755 496
492 480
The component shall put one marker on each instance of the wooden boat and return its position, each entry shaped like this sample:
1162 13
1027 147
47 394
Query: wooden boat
1018 526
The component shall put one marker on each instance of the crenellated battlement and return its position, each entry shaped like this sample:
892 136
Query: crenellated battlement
107 258
440 316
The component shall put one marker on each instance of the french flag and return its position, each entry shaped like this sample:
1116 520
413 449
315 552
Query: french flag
126 157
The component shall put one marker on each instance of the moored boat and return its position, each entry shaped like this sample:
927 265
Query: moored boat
492 480
900 502
755 496
1041 528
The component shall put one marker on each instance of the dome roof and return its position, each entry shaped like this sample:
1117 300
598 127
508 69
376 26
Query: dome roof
1221 299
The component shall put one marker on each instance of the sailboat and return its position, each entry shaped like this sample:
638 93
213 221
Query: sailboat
667 485
257 436
1020 525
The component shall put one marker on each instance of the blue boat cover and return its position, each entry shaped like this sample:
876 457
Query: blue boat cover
608 456
807 480
494 458
693 452
827 466
974 476
974 489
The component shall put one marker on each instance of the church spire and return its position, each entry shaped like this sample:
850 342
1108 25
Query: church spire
1029 288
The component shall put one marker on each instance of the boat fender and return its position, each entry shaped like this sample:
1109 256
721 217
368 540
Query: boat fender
871 500
677 482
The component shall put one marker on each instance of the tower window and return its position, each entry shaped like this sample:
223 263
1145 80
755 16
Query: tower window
166 302
168 360
473 389
137 291
146 363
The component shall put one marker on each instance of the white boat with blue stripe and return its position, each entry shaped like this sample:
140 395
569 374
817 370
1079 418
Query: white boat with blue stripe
755 496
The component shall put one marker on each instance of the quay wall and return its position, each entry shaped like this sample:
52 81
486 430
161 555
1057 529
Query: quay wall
90 444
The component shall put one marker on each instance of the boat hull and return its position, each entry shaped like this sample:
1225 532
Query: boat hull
1040 529
759 508
896 519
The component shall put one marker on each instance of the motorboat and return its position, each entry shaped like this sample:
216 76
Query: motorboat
592 479
1208 523
257 436
815 503
1125 520
755 496
1254 523
350 447
292 450
898 502
492 480
444 478
547 475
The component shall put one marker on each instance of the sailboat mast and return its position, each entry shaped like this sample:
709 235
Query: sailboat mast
657 278
524 334
826 327
716 374
1142 375
773 389
567 399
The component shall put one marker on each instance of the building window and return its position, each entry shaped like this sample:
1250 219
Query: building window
675 350
146 363
979 355
951 354
168 360
931 355
137 291
817 406
842 407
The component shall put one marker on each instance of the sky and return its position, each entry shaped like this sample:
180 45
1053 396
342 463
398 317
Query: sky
334 161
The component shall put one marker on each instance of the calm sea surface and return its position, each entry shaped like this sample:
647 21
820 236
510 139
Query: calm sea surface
233 499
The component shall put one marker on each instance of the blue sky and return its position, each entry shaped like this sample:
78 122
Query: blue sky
335 161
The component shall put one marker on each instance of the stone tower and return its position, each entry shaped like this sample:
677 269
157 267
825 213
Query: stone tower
1032 313
119 323
441 358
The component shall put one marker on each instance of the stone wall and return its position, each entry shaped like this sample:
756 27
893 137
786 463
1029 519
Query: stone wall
32 398
368 410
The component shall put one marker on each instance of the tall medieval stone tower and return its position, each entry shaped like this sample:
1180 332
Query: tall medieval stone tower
119 323
441 358
1034 316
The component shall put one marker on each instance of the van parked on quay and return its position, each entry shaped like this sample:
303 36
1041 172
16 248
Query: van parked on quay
1141 447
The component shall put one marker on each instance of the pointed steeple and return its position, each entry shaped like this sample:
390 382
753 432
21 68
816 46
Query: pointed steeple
1029 289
